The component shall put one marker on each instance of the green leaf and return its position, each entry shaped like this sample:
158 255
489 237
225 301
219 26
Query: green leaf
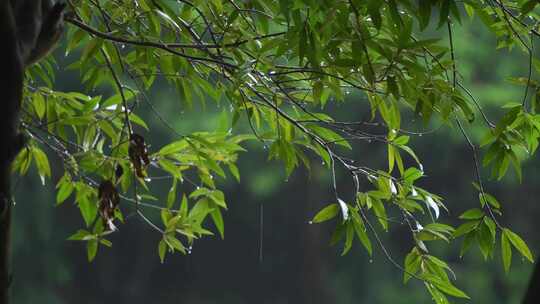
485 239
174 243
391 152
519 244
65 190
349 237
506 252
91 249
329 136
412 265
218 221
361 233
446 287
467 242
234 171
411 153
411 175
338 233
380 212
162 250
42 163
472 214
173 147
184 206
105 242
466 228
88 209
81 235
171 196
327 213
39 105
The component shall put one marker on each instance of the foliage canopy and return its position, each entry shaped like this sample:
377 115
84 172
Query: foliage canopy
279 65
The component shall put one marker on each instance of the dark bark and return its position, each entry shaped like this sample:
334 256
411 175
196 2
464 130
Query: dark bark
11 68
5 275
532 295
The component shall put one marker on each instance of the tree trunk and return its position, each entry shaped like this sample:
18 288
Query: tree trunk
12 70
531 297
5 276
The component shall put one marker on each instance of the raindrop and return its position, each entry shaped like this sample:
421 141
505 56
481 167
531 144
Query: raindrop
310 222
393 189
344 209
371 260
147 179
431 203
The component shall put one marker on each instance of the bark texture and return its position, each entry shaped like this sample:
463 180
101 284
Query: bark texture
11 68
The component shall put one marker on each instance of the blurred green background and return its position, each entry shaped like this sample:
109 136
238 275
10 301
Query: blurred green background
297 264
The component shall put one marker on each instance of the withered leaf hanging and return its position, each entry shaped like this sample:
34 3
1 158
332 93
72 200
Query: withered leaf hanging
138 154
108 202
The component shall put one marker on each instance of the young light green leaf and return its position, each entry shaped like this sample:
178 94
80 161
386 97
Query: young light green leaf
506 252
472 214
64 192
446 286
91 249
42 163
218 221
327 213
519 244
162 250
81 235
362 235
349 237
